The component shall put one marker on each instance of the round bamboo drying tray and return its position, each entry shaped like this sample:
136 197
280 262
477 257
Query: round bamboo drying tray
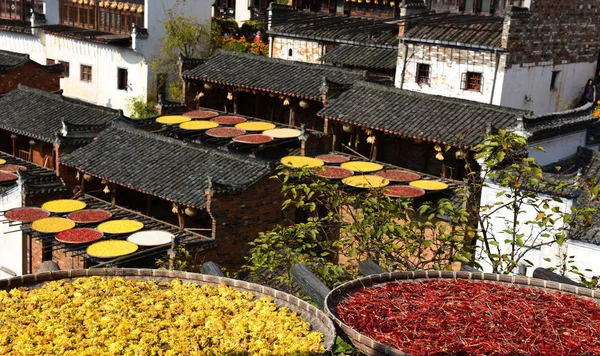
317 319
369 346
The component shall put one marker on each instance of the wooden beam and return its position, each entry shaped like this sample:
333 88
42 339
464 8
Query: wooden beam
292 121
368 267
311 284
113 194
180 217
212 269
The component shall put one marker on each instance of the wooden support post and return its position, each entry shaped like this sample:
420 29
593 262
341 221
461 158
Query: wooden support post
148 205
443 175
13 137
180 217
56 159
113 194
235 102
312 286
325 125
256 105
368 267
81 182
292 121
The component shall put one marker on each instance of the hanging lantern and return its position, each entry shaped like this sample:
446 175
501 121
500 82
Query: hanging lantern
85 2
92 3
437 148
304 104
229 96
360 1
254 92
174 208
101 4
114 5
190 211
460 154
208 86
77 176
133 8
272 95
368 131
392 4
103 181
88 177
348 128
126 7
286 102
200 95
371 140
106 189
140 9
439 156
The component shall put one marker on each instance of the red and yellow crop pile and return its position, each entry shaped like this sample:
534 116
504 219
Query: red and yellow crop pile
99 316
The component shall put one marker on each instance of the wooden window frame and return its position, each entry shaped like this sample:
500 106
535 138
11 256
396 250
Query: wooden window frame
67 68
472 81
122 79
50 62
84 75
423 73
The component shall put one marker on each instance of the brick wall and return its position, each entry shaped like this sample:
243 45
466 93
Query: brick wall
31 75
238 219
557 32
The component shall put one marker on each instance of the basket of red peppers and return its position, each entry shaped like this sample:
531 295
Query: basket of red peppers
463 313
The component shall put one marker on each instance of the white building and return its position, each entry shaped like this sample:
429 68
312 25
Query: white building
536 57
107 47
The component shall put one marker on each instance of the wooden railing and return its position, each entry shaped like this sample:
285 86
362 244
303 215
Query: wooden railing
25 155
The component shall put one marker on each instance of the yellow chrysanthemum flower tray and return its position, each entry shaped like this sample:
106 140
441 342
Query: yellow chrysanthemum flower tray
429 184
301 162
198 125
255 126
63 205
111 248
114 316
120 226
173 119
52 225
366 181
2 161
359 166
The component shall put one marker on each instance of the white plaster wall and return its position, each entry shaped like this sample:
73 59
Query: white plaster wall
11 237
22 43
557 148
242 12
528 87
586 257
302 50
528 213
446 70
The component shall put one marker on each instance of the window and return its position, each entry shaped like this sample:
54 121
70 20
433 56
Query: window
472 81
555 79
290 52
50 61
423 71
86 73
66 70
122 79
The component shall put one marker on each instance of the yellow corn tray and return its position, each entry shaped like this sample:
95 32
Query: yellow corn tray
63 205
255 126
301 161
362 166
111 248
120 226
282 133
52 225
429 184
2 161
198 125
173 119
366 181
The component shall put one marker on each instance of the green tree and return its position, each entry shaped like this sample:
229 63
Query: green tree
184 35
139 108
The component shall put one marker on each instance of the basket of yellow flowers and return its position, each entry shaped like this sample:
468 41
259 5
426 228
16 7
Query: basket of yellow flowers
146 311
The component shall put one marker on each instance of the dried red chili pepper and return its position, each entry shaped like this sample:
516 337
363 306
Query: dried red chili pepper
27 214
441 317
78 236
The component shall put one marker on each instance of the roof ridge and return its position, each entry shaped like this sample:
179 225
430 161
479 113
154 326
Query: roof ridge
288 62
441 98
173 141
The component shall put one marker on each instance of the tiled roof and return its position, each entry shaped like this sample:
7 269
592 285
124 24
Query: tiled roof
15 26
37 179
419 116
362 57
560 123
458 30
10 60
88 35
280 76
162 166
39 114
333 28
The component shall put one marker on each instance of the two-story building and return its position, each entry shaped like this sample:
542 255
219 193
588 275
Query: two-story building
106 47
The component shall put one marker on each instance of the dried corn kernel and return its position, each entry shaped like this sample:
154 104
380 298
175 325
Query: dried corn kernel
52 225
111 248
366 181
362 166
172 119
429 184
301 161
63 205
255 126
120 226
198 125
100 316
